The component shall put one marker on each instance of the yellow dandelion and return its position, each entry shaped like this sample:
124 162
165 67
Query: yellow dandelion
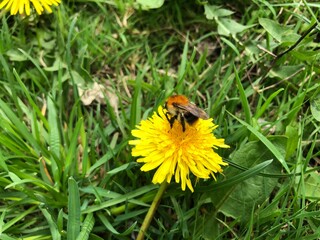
176 152
23 6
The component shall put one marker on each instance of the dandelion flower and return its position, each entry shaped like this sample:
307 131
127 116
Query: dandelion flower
23 6
176 152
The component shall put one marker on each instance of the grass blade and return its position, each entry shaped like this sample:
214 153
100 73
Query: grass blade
73 210
87 227
243 98
266 142
242 176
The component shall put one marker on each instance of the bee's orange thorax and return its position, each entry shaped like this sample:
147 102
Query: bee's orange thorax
178 99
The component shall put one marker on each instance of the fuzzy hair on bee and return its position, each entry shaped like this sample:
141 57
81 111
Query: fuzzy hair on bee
181 109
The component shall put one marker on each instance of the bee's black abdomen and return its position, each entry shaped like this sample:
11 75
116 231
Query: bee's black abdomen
190 118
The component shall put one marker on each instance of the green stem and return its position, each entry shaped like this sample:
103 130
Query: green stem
152 210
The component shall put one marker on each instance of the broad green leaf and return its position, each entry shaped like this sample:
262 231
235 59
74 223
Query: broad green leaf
16 56
315 108
6 237
213 11
277 31
234 180
229 27
292 134
304 55
57 65
150 4
273 28
312 186
284 72
210 227
242 197
78 79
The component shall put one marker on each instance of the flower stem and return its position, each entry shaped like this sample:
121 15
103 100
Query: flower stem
152 210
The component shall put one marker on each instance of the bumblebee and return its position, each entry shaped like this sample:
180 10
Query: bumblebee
181 109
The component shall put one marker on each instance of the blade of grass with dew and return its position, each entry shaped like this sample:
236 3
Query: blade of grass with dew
87 227
74 211
265 141
54 136
54 141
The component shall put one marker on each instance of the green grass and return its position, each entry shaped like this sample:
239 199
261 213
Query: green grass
66 170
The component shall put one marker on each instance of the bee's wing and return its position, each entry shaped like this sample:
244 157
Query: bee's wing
194 110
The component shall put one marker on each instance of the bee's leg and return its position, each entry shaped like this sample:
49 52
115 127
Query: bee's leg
171 119
183 123
166 114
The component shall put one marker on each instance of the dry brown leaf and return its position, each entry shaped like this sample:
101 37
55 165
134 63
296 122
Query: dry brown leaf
98 93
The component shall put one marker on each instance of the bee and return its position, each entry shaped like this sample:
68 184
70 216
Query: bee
181 109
